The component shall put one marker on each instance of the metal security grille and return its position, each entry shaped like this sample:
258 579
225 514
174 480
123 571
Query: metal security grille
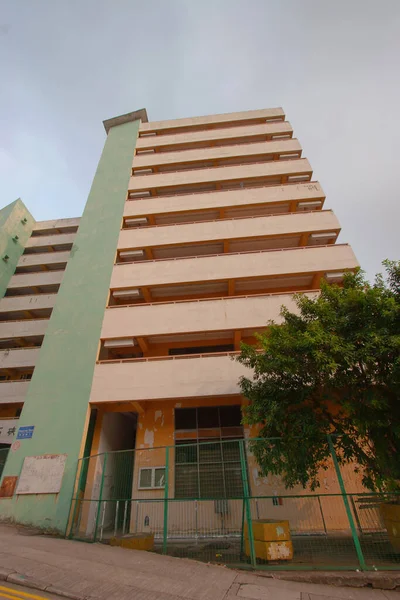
208 470
207 460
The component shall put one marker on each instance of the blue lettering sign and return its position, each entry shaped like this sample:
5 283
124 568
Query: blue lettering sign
25 433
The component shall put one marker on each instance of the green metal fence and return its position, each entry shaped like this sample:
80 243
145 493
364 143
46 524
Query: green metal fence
205 500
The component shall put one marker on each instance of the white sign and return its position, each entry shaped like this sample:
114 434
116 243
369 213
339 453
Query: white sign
42 474
8 427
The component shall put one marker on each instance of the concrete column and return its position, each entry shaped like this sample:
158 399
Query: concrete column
57 400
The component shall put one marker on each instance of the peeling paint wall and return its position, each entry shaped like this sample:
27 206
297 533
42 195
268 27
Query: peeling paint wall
305 514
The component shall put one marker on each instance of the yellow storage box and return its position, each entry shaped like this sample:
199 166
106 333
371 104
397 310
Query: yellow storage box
268 530
136 541
271 550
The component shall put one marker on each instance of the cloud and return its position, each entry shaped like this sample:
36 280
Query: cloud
332 66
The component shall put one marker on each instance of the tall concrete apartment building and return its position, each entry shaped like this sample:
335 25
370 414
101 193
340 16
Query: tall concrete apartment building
117 329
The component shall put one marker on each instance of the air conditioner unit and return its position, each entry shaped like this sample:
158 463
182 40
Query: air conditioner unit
309 205
120 343
147 171
138 195
146 151
323 236
298 178
141 222
131 254
131 293
334 277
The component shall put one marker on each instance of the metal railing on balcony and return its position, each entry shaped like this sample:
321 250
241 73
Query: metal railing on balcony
218 299
226 188
167 357
295 249
303 212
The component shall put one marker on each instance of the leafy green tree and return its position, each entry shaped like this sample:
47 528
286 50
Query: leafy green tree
332 368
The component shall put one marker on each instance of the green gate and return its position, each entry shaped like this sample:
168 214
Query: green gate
204 501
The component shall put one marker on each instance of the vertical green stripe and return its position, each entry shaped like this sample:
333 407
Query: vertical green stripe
16 224
57 399
166 497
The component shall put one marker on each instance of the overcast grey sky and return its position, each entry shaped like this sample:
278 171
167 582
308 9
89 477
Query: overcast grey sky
334 66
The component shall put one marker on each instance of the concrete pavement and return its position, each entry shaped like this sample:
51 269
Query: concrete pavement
97 572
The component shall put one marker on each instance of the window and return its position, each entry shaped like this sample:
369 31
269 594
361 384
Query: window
186 418
208 470
151 478
207 452
226 421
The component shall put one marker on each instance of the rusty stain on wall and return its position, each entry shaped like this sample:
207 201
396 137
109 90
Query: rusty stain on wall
8 486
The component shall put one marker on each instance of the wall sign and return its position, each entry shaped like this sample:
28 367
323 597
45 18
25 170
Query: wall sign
42 474
25 433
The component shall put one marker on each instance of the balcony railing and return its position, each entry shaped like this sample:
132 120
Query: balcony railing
279 214
210 299
157 358
299 249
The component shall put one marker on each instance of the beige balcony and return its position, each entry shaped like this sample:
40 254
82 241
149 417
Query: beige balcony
203 179
35 283
56 226
189 317
232 274
226 135
42 262
168 378
33 328
237 235
212 121
58 242
13 392
219 156
225 204
21 358
38 306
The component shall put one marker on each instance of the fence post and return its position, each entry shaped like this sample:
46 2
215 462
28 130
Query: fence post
356 541
165 530
242 533
74 507
246 494
100 497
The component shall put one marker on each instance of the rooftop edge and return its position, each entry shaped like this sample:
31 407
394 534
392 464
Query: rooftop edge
127 118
